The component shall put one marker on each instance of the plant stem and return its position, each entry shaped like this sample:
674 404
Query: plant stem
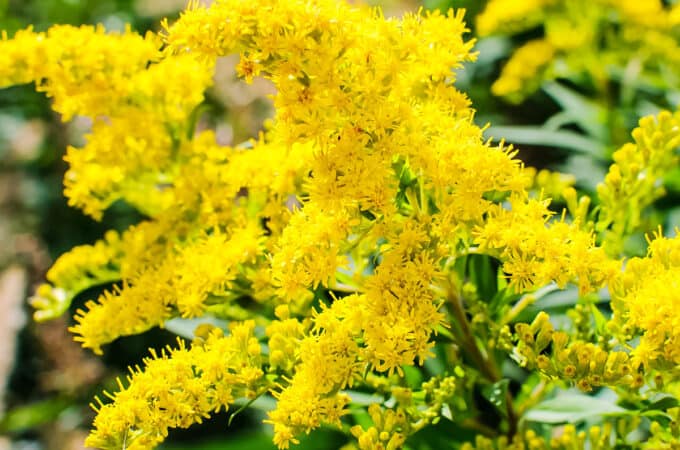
480 427
518 308
469 344
534 398
527 300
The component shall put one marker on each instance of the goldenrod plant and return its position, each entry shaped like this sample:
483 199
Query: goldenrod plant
369 261
601 39
602 64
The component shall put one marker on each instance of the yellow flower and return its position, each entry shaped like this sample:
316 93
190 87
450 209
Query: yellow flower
177 388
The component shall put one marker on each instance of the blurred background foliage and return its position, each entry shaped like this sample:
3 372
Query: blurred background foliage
46 379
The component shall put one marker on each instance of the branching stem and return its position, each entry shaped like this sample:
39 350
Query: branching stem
484 364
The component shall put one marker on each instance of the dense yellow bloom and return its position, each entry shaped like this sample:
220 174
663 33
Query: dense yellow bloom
328 362
298 265
129 150
550 184
386 433
646 298
82 69
536 251
178 388
181 284
284 337
81 268
347 230
115 163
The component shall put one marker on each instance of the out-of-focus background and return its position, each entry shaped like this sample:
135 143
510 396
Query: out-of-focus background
46 380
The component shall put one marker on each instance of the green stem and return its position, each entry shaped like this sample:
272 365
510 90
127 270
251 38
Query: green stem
484 364
534 397
476 425
525 301
468 342
518 308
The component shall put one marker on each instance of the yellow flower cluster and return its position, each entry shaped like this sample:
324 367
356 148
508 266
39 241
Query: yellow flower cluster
549 184
81 268
284 338
345 231
645 298
596 438
82 69
386 431
583 363
138 123
581 37
524 72
182 285
178 388
634 181
535 252
510 16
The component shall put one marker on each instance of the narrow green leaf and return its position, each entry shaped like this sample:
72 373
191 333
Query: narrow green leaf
536 135
241 409
363 399
586 169
571 408
586 113
483 274
663 403
600 319
413 376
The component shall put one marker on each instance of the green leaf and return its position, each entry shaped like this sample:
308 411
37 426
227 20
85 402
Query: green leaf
646 108
26 417
361 417
497 395
186 327
600 319
251 441
583 111
672 179
528 387
443 435
413 376
492 49
559 301
560 120
588 173
571 408
536 135
264 403
242 408
663 403
673 219
438 364
484 275
556 301
363 399
502 302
